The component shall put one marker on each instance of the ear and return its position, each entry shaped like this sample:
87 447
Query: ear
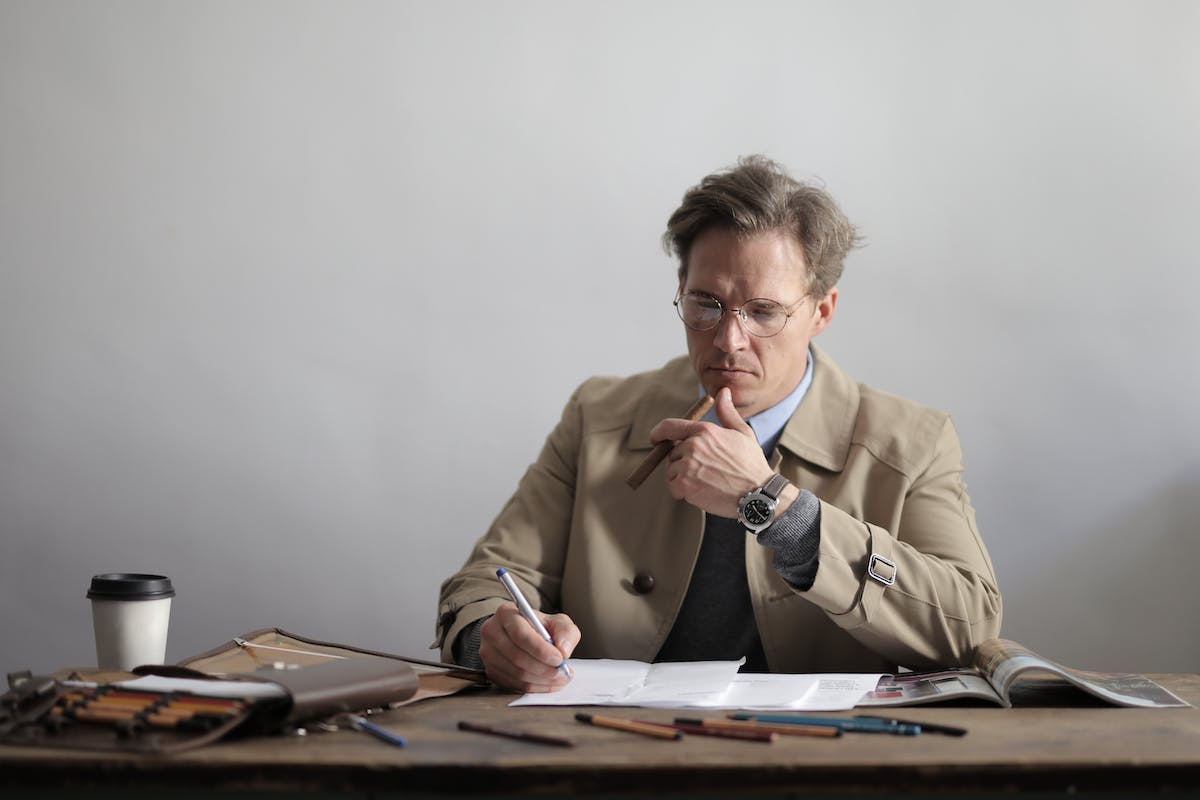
826 308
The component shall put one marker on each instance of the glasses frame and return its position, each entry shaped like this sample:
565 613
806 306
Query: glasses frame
788 311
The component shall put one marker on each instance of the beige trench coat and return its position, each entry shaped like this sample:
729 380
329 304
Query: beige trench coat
888 473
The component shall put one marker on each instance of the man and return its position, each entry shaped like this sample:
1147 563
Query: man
862 553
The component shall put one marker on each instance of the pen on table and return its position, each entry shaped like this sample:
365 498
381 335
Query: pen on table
527 612
379 732
926 727
750 734
515 733
646 729
848 724
660 451
824 731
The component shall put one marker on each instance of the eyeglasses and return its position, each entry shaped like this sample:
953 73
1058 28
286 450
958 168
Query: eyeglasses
760 317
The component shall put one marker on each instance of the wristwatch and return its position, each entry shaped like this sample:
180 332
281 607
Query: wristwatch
757 509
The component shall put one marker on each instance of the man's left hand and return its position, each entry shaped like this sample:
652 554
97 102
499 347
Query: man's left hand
710 466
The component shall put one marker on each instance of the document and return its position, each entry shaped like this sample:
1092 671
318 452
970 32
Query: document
816 692
611 682
701 684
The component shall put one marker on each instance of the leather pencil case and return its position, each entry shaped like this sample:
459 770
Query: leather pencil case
262 682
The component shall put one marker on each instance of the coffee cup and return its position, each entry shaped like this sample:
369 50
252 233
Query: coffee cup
130 612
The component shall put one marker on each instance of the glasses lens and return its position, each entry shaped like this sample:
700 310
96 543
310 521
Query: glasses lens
699 312
764 317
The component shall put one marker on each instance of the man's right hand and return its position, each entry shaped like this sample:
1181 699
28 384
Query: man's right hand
515 657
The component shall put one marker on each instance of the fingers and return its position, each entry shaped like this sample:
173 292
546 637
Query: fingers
728 414
677 430
563 631
674 430
515 657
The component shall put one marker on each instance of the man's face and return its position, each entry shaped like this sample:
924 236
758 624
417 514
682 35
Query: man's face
760 371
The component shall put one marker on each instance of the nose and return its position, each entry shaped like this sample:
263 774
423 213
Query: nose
730 335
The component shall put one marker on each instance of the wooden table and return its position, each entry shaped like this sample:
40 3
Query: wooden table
1083 749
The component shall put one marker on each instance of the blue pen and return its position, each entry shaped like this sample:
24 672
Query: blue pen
926 727
381 733
850 725
527 612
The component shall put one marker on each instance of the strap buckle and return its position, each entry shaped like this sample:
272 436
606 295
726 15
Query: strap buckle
888 576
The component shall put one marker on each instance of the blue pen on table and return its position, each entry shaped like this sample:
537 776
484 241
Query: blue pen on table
926 727
379 732
527 612
847 724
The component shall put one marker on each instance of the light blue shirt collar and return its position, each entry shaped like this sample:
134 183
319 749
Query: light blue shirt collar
768 425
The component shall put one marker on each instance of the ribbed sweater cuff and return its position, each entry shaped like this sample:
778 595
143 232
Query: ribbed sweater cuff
796 539
466 646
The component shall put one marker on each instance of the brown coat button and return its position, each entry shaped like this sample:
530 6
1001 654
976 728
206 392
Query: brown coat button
643 583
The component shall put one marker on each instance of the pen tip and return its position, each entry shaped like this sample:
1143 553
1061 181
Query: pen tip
500 572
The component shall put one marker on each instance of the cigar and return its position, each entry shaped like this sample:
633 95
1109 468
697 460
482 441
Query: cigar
698 410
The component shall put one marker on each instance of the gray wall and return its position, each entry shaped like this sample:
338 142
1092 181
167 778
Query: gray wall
291 292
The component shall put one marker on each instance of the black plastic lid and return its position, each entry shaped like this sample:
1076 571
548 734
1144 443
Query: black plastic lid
130 586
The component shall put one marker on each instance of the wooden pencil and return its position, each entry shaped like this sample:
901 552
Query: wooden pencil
629 726
826 731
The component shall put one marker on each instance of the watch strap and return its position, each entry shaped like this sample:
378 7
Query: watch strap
774 486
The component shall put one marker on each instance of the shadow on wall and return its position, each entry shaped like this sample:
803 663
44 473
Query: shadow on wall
1128 601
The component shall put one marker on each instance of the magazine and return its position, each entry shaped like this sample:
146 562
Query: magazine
999 665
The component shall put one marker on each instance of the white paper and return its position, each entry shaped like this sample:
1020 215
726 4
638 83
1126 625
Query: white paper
609 682
702 684
827 692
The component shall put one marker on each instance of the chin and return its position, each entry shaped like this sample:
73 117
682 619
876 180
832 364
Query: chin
746 409
742 401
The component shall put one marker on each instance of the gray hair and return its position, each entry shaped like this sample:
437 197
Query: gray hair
758 196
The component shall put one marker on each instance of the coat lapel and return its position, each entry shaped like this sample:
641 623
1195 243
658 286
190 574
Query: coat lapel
821 429
671 396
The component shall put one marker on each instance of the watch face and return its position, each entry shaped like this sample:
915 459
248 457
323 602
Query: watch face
757 511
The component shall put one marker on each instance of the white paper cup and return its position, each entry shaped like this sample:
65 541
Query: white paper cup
130 612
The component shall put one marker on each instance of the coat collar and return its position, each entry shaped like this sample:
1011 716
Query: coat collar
819 432
821 429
